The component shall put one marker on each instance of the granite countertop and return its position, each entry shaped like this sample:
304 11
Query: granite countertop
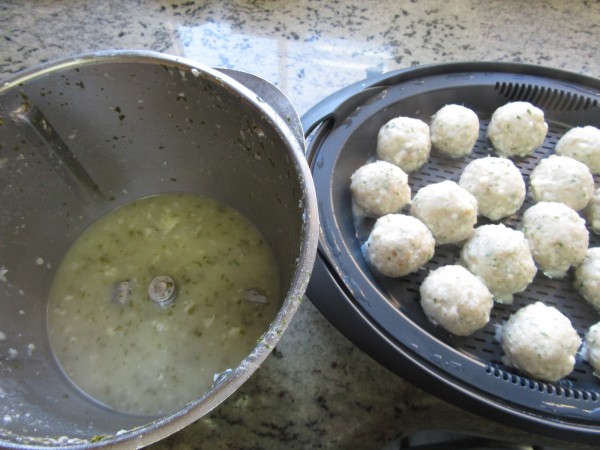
316 390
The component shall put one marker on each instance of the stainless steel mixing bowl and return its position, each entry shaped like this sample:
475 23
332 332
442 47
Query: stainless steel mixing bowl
82 136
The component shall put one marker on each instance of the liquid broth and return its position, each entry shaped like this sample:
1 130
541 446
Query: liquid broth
134 355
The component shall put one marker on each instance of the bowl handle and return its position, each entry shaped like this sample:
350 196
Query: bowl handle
271 95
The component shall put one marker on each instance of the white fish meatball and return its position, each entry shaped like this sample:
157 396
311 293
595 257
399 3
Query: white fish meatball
404 141
449 211
517 129
499 256
562 179
497 184
380 188
592 347
582 144
455 299
398 245
454 130
557 237
587 277
540 341
592 212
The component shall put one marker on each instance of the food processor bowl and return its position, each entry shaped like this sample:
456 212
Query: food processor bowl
85 135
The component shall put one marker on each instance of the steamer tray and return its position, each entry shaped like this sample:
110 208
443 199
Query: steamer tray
382 315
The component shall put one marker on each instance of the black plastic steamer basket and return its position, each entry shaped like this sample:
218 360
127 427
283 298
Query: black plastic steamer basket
381 315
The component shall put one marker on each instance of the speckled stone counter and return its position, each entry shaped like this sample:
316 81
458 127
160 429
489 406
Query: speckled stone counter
316 390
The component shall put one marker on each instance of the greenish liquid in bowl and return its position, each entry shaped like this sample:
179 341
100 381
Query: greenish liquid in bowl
133 355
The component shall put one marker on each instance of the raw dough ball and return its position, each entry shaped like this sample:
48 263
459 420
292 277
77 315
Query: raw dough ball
499 256
517 129
449 211
592 212
587 277
399 244
455 299
541 342
454 130
592 347
380 188
404 141
562 179
497 185
583 144
557 237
